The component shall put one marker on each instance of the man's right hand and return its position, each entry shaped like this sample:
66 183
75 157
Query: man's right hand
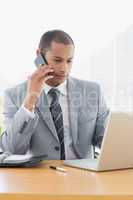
35 86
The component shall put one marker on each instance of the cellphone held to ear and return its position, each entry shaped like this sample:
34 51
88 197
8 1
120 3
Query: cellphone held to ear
41 60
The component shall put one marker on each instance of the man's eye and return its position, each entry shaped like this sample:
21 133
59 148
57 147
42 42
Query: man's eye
69 61
57 60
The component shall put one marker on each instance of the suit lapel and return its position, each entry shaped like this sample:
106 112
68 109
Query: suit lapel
42 108
73 106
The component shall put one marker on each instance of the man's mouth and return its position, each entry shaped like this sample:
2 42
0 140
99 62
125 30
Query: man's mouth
60 75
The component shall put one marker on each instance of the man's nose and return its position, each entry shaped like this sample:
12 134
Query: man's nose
64 66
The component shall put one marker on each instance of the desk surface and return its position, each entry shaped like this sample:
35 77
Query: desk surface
44 183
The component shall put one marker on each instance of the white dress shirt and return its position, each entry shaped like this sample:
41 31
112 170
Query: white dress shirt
62 88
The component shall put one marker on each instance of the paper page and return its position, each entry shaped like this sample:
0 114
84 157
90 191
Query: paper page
17 158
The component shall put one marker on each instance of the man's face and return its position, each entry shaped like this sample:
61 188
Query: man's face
60 57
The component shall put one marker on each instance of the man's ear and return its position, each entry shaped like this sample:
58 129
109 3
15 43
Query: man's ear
37 52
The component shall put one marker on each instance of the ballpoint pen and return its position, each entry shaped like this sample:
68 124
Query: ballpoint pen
58 168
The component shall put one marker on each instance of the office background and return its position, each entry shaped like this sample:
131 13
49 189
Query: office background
102 32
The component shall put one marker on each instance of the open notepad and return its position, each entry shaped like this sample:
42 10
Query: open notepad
27 160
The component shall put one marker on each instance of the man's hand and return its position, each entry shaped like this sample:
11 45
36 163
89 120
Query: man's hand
35 85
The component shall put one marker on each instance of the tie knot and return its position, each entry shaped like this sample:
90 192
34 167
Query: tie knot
53 93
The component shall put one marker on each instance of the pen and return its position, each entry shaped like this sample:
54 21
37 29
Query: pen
58 168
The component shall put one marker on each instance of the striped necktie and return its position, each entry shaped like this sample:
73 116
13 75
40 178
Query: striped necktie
57 116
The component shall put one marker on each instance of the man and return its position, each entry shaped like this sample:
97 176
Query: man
53 113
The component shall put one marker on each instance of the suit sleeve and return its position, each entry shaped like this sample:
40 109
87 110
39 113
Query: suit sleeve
18 125
101 121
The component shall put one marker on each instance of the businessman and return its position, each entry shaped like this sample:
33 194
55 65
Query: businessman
53 113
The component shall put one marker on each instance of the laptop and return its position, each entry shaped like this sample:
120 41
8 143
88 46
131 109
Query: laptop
117 146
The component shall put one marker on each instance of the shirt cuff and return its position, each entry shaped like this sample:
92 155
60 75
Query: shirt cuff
29 113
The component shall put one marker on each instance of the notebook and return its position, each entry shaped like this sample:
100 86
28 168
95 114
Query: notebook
11 160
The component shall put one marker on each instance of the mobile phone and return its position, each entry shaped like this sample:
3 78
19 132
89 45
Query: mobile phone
40 60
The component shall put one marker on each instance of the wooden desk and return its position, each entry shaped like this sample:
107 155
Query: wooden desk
43 183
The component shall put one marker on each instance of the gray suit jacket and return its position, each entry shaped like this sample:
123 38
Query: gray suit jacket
87 116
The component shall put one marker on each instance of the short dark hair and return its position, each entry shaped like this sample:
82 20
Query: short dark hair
58 36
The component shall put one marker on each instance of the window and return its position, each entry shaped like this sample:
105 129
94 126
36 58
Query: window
103 37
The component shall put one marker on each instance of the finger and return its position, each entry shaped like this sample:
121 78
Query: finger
42 67
45 73
41 73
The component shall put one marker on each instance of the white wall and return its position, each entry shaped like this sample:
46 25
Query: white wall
103 35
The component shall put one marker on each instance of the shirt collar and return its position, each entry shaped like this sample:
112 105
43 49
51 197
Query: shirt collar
62 88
